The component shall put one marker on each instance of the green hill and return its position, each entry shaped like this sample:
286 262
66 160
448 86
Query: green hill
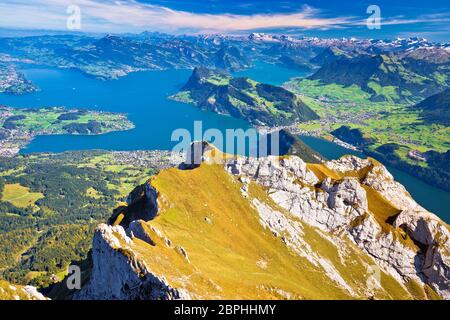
258 103
436 109
386 77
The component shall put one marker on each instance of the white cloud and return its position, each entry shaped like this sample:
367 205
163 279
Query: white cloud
402 20
116 16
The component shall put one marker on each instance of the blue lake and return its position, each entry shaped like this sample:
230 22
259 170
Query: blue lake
143 96
270 73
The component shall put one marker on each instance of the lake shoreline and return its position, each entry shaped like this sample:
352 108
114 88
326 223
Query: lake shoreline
156 117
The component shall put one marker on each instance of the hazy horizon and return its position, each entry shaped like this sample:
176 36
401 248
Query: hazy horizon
324 19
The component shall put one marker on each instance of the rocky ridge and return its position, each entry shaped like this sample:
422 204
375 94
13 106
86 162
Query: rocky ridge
366 219
342 207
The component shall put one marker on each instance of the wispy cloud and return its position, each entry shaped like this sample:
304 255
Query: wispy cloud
133 16
114 16
437 18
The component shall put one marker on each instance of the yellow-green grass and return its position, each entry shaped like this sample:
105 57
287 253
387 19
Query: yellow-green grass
91 192
33 274
224 252
10 291
383 211
314 88
124 188
20 196
230 254
11 172
322 172
379 206
315 105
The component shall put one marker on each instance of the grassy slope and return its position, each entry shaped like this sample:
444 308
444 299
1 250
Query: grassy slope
20 196
230 254
386 77
386 122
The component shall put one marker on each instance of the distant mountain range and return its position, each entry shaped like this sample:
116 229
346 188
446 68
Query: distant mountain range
408 67
292 145
113 56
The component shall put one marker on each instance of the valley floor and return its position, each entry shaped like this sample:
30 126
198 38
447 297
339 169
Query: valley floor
51 203
381 124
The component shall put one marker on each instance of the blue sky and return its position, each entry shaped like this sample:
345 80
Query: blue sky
429 19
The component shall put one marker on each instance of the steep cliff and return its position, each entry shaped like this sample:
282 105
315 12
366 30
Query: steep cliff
271 228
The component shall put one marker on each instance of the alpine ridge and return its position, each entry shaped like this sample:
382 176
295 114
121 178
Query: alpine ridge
271 228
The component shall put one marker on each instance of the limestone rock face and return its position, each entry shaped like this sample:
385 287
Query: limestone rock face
342 206
345 194
367 231
141 205
434 236
411 244
382 181
118 274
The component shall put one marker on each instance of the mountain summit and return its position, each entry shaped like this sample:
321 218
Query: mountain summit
271 228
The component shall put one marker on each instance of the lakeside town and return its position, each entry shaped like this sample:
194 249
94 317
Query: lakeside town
14 82
150 159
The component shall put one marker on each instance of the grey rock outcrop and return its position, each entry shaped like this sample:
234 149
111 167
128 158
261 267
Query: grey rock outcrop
341 207
347 195
33 293
119 274
379 179
434 237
